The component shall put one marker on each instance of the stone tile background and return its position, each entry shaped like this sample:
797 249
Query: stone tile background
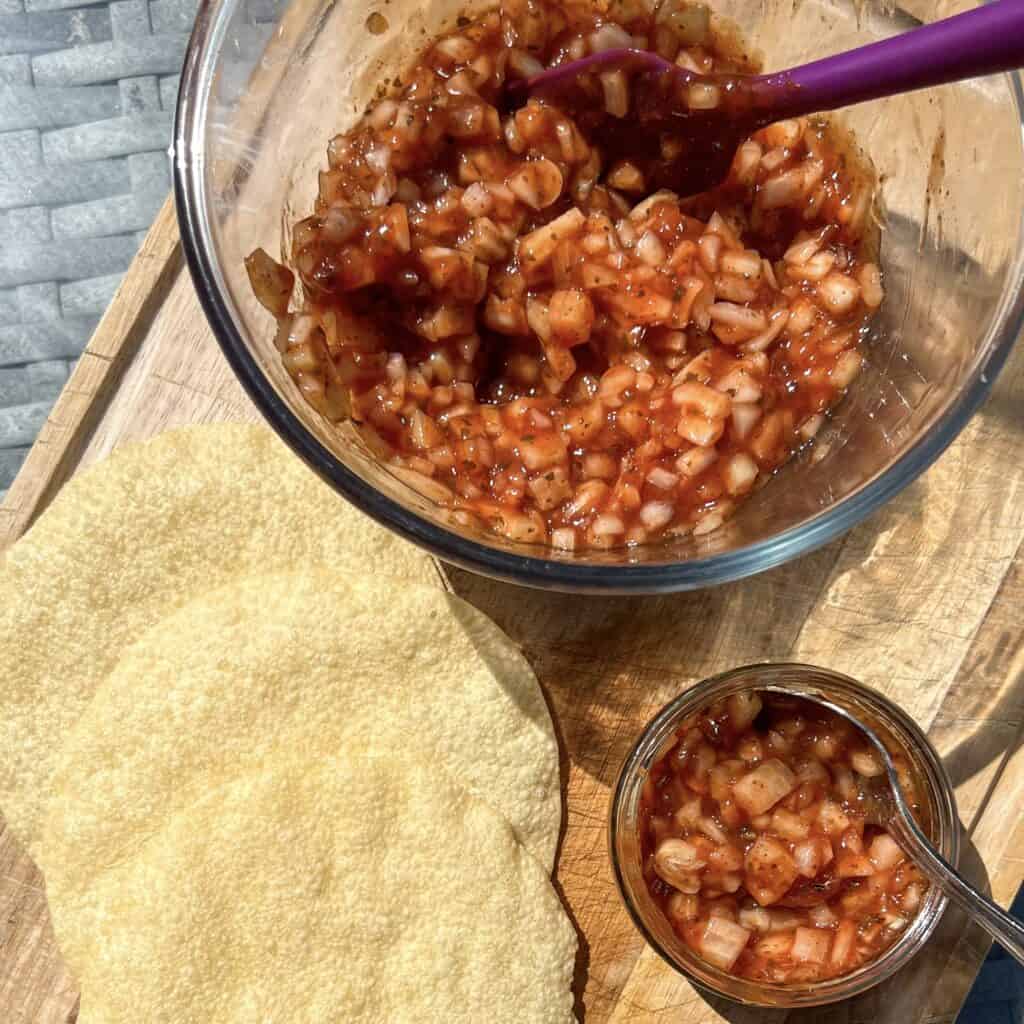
87 93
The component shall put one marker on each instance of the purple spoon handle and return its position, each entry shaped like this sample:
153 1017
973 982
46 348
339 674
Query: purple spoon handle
984 41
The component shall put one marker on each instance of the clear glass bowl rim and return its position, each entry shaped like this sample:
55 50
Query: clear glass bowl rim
795 678
530 569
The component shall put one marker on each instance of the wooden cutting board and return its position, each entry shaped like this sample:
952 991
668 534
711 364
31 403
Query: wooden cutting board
922 601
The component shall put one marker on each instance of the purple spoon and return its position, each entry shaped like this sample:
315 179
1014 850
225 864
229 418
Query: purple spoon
981 42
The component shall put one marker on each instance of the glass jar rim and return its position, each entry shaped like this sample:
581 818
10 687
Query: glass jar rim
791 678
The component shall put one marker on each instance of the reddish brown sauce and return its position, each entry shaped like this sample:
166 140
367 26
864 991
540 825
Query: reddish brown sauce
757 848
502 299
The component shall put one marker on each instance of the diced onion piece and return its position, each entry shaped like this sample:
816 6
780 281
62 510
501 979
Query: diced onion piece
709 249
626 177
596 275
775 947
843 943
746 264
845 785
740 473
538 316
756 919
911 898
781 189
542 451
645 206
608 526
722 942
776 325
810 426
424 431
784 133
782 920
699 397
789 825
550 489
689 22
693 462
271 281
812 855
650 250
726 857
609 37
703 96
571 316
763 787
676 858
625 232
506 316
853 865
713 830
740 385
811 945
699 430
770 870
804 248
846 369
523 64
683 907
838 293
656 514
741 317
538 183
870 279
564 538
661 478
866 763
743 708
709 522
689 813
885 852
832 818
746 162
821 916
526 528
537 248
615 86
745 416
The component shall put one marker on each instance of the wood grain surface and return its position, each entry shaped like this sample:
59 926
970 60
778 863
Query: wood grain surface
922 601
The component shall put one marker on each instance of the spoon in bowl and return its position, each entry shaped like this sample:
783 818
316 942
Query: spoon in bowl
887 806
712 114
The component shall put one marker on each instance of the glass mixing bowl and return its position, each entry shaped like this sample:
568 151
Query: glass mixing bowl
267 83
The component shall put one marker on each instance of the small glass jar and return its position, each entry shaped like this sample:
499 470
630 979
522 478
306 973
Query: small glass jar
938 820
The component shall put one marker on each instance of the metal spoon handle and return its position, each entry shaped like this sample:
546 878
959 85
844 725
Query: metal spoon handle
1006 930
899 821
984 41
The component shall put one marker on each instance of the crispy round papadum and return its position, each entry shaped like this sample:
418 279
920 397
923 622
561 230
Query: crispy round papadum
131 539
300 661
349 889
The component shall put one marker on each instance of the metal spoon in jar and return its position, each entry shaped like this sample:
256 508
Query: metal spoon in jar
886 805
712 114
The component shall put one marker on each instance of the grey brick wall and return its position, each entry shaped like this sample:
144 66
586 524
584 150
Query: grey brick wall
87 93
